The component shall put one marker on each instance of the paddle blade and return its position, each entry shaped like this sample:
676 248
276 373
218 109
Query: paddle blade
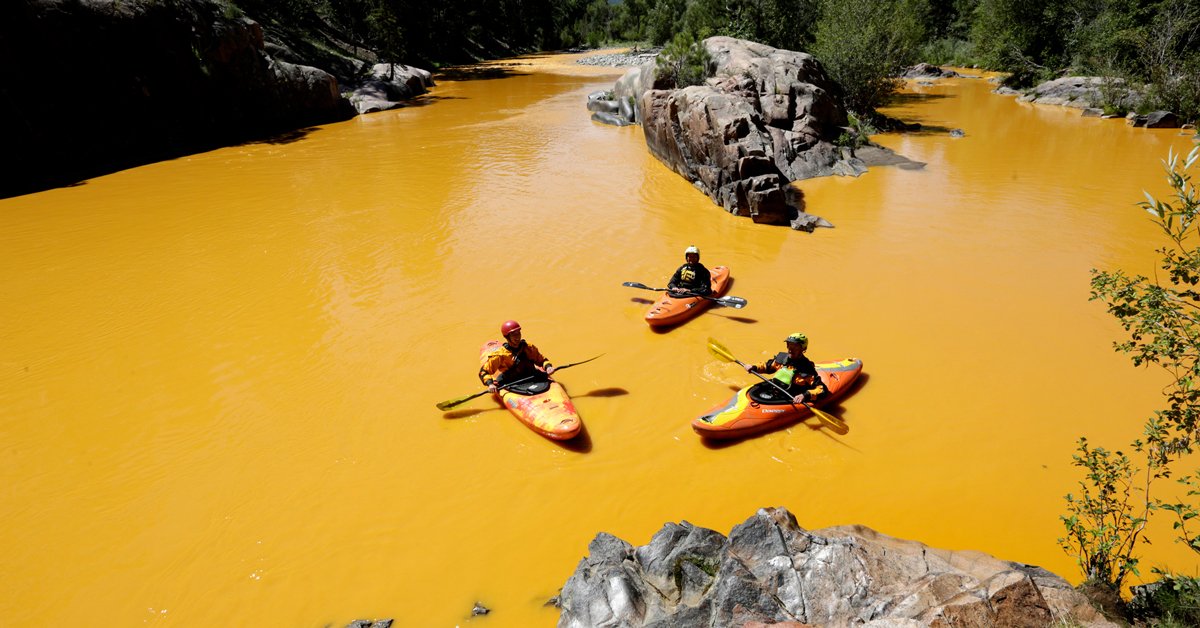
734 302
450 403
634 284
834 423
720 351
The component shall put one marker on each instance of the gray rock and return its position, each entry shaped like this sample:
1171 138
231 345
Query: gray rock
957 133
770 570
387 86
1162 120
928 70
604 117
767 117
1083 92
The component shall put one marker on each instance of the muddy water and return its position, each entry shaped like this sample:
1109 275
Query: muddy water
218 375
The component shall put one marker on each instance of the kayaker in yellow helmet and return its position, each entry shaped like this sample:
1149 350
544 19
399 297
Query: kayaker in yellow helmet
514 360
691 279
794 371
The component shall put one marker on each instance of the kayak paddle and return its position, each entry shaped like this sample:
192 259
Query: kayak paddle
725 354
734 302
450 403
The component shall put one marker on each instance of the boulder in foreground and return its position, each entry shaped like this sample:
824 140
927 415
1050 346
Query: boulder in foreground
770 570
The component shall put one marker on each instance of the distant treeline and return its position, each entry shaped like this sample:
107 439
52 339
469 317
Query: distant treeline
1147 42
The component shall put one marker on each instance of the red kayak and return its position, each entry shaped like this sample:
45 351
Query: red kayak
671 311
761 407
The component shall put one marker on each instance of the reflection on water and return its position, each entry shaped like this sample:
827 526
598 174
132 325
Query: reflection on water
220 372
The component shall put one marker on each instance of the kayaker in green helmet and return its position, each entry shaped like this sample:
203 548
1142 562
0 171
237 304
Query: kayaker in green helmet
794 371
691 279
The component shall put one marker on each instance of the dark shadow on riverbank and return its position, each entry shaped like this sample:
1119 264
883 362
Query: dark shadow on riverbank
926 130
478 72
912 98
288 137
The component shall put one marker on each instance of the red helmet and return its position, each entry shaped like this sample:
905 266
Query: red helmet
509 327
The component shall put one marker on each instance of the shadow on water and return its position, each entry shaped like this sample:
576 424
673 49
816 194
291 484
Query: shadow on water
295 135
927 130
478 72
603 392
464 413
912 98
736 319
581 444
642 300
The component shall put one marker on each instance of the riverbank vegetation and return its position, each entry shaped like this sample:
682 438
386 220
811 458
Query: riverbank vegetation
1120 493
1152 46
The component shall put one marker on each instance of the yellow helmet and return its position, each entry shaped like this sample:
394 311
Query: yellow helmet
799 339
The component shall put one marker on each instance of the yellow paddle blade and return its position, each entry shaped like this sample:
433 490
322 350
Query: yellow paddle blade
720 351
450 403
831 421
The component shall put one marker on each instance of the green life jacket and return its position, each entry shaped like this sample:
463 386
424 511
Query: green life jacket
784 375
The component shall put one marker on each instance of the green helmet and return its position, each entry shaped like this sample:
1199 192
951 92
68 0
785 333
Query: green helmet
799 339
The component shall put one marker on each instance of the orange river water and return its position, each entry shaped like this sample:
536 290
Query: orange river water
218 374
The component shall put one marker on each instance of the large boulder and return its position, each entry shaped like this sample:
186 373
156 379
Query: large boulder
387 86
1083 92
770 570
765 118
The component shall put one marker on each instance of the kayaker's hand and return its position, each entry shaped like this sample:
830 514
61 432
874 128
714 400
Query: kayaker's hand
550 369
492 388
750 368
799 398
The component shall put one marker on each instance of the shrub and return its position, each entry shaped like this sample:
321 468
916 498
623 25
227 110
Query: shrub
684 62
865 45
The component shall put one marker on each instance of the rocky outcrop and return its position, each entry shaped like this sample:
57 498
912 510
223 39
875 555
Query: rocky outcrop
94 86
387 86
1082 92
765 118
771 571
928 71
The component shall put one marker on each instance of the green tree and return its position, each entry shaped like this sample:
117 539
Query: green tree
1025 37
704 18
786 24
1162 318
662 20
864 45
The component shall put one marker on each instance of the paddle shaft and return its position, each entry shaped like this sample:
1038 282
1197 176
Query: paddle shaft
734 302
446 405
774 383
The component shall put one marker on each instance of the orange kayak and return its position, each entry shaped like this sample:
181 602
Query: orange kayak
671 311
761 408
542 404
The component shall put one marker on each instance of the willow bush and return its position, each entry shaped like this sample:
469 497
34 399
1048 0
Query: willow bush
1161 315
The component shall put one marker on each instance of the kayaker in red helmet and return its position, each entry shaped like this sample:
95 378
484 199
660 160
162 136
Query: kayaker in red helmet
514 360
794 371
691 279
